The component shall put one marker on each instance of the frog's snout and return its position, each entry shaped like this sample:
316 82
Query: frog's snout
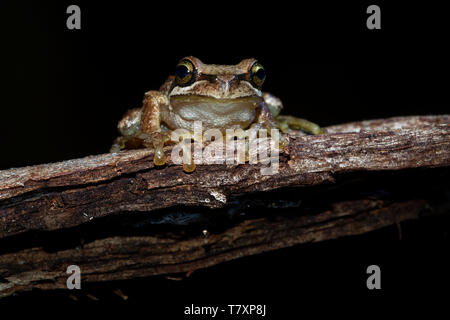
225 81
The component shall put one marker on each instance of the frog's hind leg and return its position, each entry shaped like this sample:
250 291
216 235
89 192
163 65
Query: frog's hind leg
289 122
121 143
118 144
285 123
129 126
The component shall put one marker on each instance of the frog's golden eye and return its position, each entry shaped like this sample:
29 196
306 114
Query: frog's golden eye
184 72
257 74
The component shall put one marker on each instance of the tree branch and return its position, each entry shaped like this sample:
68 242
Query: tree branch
53 199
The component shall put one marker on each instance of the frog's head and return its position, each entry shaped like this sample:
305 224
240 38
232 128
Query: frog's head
224 88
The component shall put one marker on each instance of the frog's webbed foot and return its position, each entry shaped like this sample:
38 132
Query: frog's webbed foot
285 123
156 140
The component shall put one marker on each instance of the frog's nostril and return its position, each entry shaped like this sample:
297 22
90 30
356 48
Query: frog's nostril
225 81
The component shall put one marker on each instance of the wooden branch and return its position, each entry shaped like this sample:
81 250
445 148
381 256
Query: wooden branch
77 193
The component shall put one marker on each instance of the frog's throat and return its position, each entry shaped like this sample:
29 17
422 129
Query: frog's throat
221 107
214 113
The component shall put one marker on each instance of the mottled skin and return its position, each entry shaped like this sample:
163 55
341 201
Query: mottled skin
221 96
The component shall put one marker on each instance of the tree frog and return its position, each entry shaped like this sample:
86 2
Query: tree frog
221 96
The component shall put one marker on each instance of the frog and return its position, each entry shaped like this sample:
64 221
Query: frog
221 96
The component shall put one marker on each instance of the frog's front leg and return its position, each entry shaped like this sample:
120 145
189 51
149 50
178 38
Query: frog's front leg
151 132
265 120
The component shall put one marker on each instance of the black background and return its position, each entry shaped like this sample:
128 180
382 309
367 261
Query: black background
65 90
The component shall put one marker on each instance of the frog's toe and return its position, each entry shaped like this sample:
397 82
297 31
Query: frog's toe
119 144
321 131
188 161
317 130
156 141
159 158
189 167
246 153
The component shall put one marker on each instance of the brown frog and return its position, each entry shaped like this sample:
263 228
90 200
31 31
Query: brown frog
221 96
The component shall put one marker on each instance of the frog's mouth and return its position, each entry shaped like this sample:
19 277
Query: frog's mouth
193 107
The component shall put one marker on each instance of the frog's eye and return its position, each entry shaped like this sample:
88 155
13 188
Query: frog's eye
257 74
184 72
